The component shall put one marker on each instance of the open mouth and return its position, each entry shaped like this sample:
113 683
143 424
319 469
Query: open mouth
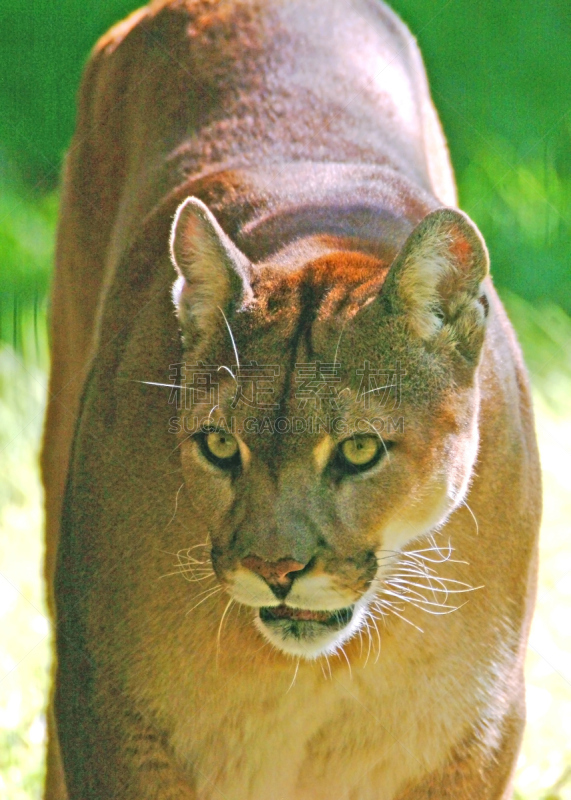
302 619
305 632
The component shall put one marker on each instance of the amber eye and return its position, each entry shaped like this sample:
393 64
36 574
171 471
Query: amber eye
361 451
220 448
221 445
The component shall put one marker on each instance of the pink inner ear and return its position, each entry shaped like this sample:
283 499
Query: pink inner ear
460 248
188 236
193 226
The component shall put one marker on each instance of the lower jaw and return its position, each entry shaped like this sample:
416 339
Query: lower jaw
305 633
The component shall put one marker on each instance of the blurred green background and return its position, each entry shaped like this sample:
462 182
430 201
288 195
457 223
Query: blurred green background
499 73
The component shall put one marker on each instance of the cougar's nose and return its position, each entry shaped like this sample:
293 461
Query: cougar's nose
278 575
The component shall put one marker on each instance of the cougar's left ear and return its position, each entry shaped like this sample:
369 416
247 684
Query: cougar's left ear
436 282
213 273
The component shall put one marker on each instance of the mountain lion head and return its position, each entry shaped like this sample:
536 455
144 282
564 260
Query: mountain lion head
344 424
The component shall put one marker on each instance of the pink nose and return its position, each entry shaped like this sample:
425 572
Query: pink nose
273 571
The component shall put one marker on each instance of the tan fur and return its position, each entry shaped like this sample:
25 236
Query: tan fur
290 154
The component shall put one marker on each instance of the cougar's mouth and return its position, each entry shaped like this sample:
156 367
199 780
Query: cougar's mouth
300 622
308 633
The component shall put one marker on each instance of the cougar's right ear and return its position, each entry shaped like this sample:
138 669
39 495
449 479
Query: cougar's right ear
214 275
436 282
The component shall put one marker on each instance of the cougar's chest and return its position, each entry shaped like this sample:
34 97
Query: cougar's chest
321 737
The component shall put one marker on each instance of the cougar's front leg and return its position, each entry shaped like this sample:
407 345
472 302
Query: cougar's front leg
110 746
145 769
128 762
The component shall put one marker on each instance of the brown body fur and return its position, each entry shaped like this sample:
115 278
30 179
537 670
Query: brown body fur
319 154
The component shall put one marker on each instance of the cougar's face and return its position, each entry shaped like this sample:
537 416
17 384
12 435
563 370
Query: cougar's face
331 414
315 463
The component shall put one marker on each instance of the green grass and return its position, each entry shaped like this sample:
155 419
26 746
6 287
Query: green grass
24 651
546 755
27 222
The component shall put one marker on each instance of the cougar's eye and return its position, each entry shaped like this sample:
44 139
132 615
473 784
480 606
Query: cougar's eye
220 448
360 453
360 450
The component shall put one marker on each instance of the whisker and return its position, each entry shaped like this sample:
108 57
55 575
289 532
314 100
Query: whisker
182 441
390 554
341 649
404 619
370 424
417 555
360 632
473 517
374 621
339 341
415 598
175 505
197 580
294 675
166 552
442 589
423 604
209 589
441 613
399 586
204 599
183 570
229 371
187 564
380 388
197 570
190 563
220 627
408 573
232 340
434 546
190 559
369 634
211 411
154 383
449 549
416 568
435 584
